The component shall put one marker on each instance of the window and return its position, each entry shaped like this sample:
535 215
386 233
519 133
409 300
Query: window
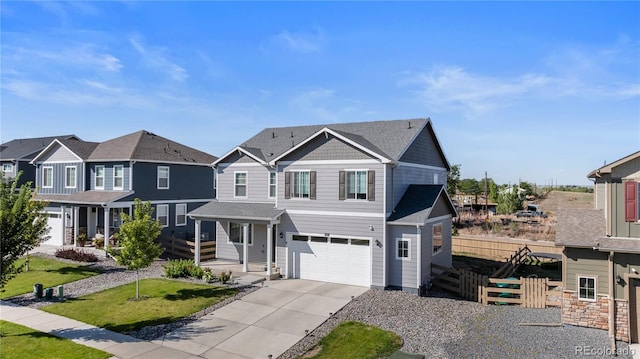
116 218
70 177
240 184
272 184
402 249
118 177
301 185
47 177
162 214
437 238
586 288
163 177
356 184
236 233
181 214
99 177
7 167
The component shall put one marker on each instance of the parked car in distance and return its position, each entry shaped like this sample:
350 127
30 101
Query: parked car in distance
528 214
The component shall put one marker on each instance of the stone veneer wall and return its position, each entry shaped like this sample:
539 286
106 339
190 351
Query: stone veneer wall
68 239
595 314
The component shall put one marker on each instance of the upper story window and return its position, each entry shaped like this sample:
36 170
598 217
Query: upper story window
300 184
437 238
70 177
240 184
181 214
7 167
403 251
162 214
272 184
587 288
236 233
357 184
47 177
99 174
118 177
163 177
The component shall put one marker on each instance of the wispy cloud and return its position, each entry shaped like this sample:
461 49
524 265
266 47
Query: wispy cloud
79 56
155 58
301 42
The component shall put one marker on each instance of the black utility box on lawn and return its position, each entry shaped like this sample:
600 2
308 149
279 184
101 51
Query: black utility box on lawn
37 290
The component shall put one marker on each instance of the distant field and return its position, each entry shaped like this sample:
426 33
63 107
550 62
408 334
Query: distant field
557 199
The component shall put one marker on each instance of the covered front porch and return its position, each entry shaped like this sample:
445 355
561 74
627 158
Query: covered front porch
245 234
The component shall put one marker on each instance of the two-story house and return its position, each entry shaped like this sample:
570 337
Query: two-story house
15 156
355 203
89 184
601 258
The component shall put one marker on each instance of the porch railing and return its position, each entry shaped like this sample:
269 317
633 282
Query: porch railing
187 248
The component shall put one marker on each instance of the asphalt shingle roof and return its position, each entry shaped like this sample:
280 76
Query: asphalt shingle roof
579 227
86 197
387 138
237 211
416 204
81 148
19 148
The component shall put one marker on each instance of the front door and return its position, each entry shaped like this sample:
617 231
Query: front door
92 221
634 309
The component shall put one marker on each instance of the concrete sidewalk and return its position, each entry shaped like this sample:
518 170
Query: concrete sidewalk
265 322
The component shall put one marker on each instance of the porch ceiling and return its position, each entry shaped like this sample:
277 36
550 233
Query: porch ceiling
242 211
87 197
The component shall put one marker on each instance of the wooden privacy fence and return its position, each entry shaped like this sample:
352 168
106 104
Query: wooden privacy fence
187 248
512 264
526 292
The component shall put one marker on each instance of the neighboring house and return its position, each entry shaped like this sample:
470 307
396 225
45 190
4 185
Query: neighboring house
602 253
355 203
15 156
89 184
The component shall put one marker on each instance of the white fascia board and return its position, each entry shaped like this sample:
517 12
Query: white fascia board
55 141
239 149
327 130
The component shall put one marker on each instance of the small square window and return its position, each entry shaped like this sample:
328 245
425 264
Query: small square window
587 288
403 248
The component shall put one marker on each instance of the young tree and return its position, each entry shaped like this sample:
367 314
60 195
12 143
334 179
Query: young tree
136 236
23 224
453 180
509 200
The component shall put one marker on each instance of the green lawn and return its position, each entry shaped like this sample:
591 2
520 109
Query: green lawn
21 342
168 300
49 272
354 340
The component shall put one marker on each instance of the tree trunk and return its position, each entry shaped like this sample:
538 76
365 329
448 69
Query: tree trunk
137 284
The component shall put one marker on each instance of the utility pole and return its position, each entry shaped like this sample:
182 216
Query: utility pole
486 195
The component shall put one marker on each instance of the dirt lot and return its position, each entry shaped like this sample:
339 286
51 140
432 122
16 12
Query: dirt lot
556 199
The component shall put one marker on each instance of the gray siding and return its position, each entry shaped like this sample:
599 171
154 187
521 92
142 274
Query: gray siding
403 176
630 169
59 178
257 182
581 261
233 251
619 227
185 182
336 226
326 148
327 189
108 175
58 154
239 158
599 195
423 150
402 273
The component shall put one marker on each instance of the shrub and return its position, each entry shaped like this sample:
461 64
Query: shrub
208 275
182 268
98 242
224 277
76 255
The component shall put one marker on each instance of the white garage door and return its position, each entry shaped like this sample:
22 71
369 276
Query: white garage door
334 259
56 232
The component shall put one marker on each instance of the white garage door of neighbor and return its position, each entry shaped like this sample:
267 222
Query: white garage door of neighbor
56 232
335 259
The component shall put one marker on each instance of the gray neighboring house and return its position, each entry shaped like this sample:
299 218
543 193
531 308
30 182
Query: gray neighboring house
88 184
355 203
15 156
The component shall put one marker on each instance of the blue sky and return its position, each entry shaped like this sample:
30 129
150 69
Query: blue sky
534 91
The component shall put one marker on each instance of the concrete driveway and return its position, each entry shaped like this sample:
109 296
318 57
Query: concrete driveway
266 322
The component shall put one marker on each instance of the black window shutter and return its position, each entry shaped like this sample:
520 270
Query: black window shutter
312 185
371 185
287 185
341 186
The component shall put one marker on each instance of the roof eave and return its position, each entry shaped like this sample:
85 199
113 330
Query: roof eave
239 149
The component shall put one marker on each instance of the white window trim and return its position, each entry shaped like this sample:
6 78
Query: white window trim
595 287
178 224
158 177
158 213
408 257
9 165
346 185
66 176
433 226
44 170
275 185
246 184
114 177
95 176
292 185
251 230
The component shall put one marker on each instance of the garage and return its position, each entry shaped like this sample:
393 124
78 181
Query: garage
330 259
56 231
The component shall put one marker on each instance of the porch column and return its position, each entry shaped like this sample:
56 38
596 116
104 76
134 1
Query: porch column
76 223
107 211
269 248
419 256
245 247
197 239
